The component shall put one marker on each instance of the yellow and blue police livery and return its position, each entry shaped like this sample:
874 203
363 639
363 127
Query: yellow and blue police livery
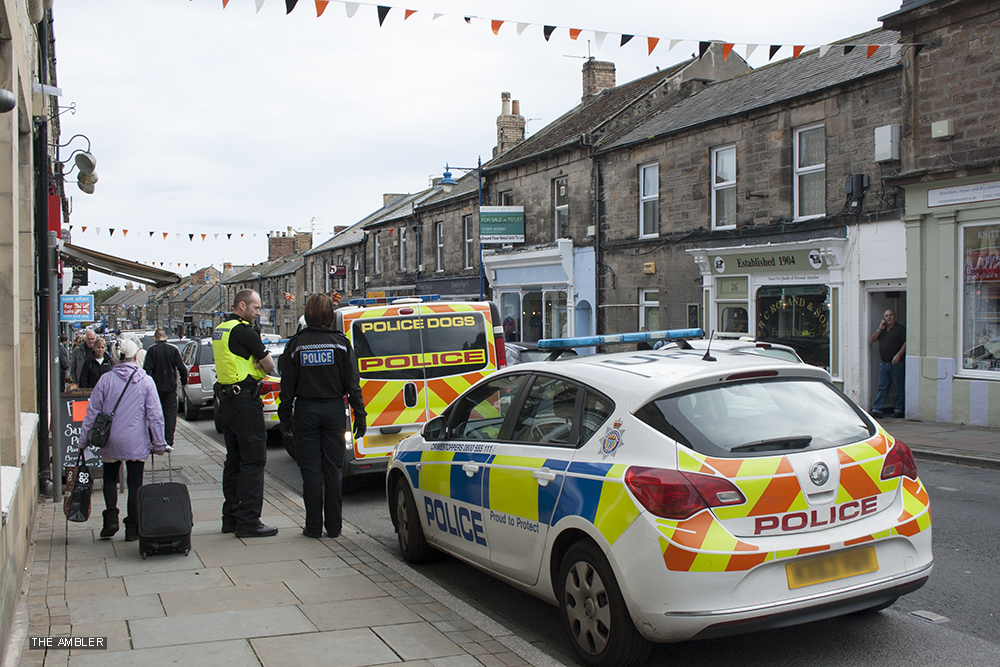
667 494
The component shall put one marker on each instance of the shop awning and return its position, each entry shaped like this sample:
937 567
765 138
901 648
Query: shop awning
116 266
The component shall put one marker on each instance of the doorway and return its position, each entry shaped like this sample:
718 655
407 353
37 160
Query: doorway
878 303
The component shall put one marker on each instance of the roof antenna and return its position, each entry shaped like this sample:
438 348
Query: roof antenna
708 349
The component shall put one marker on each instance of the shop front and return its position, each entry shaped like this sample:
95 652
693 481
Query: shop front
953 243
787 293
545 292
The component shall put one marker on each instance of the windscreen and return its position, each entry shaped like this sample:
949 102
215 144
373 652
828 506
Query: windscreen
759 417
414 347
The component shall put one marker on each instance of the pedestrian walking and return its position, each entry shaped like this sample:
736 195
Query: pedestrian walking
81 353
241 362
163 363
137 429
95 365
319 369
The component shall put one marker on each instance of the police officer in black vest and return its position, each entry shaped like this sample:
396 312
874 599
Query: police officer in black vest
241 362
318 369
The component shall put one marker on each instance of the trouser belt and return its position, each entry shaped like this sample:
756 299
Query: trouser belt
249 386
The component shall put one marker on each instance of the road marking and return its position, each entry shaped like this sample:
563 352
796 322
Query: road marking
945 488
929 616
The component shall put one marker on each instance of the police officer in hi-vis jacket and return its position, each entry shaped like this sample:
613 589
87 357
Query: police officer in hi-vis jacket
241 362
318 370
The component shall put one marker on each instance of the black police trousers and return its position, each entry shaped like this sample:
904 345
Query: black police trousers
319 449
246 454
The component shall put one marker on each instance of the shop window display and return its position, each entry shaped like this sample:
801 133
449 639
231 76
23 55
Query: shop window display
797 316
981 299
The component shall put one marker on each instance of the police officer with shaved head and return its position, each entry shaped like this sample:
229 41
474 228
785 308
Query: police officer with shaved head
241 362
318 369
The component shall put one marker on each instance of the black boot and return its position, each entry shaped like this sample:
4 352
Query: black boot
131 530
110 523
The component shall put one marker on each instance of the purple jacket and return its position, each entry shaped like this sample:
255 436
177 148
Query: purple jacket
138 414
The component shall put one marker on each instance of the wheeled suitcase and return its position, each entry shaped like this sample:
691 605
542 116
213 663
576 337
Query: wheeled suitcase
165 518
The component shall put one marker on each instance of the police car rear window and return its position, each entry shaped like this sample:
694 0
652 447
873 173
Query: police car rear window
758 418
414 347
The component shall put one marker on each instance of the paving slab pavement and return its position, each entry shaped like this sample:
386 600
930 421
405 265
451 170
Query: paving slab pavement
254 602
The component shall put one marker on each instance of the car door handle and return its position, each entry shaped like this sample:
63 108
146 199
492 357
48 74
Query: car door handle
470 468
544 476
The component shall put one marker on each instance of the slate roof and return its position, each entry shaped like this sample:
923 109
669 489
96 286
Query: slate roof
584 118
768 85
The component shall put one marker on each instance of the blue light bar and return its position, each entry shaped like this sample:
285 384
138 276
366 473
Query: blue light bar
611 339
386 301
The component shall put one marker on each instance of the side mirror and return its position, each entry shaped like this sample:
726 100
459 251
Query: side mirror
436 429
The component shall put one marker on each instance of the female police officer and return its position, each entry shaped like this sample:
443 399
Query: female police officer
318 369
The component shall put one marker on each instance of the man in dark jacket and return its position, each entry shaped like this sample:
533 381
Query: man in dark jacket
163 364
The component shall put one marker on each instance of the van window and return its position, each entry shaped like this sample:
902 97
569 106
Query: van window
432 346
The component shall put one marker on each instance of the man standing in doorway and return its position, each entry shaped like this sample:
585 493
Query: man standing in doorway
891 339
163 364
241 362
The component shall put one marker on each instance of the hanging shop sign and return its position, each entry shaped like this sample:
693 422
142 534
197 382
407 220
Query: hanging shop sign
76 308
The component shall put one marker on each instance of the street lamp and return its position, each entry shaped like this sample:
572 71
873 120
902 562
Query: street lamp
84 161
448 184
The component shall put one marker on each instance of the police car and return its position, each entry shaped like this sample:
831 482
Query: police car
667 495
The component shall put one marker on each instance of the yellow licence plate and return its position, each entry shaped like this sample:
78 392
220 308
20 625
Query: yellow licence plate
831 567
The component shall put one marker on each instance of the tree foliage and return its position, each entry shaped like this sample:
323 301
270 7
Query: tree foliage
101 295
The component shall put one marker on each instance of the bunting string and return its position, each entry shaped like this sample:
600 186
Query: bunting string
649 42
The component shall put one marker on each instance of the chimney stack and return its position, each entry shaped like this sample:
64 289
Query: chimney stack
597 76
510 125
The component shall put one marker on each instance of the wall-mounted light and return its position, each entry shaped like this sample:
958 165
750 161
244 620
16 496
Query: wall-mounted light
7 101
84 162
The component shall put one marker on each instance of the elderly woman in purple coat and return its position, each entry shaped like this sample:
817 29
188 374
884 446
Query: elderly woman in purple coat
136 430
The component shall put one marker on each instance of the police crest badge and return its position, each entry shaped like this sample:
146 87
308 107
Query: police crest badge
612 439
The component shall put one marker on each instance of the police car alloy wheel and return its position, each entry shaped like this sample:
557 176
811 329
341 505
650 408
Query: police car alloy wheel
411 535
593 610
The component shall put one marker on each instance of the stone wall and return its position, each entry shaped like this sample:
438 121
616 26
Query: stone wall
956 77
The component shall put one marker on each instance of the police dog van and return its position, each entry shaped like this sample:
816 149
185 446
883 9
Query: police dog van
415 355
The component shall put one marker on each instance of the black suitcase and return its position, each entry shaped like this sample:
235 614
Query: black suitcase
165 517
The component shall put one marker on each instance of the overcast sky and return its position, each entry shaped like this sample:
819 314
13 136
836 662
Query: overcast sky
222 122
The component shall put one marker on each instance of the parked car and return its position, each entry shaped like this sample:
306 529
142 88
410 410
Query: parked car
199 358
659 497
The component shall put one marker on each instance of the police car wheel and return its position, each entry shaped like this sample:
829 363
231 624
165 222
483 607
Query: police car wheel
410 533
593 610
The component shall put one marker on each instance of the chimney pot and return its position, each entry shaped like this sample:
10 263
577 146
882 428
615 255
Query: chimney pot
515 108
505 104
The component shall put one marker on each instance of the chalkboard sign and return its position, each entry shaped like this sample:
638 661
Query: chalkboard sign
74 407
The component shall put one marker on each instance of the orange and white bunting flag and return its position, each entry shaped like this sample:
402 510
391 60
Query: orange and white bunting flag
651 43
321 7
496 26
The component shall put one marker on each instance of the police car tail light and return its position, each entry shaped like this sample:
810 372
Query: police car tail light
194 375
268 386
677 495
899 463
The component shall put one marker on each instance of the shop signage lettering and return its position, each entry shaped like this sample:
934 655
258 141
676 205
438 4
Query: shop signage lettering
791 260
963 194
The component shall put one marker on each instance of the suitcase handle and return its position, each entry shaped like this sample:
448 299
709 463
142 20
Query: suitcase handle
170 466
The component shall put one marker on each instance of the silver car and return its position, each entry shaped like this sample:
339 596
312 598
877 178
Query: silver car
199 358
